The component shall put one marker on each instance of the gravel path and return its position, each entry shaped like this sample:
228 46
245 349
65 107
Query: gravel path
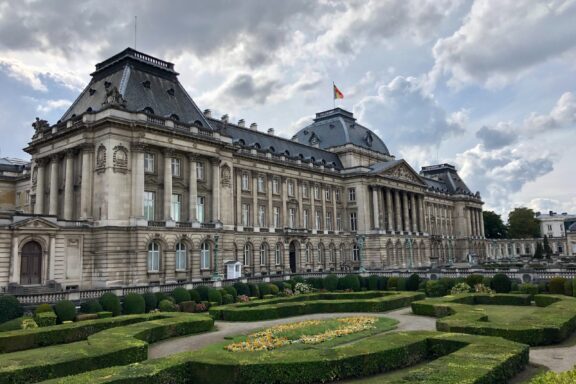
558 358
407 322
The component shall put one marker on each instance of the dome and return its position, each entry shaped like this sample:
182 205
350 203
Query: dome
337 127
572 228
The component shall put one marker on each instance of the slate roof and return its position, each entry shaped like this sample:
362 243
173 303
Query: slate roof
337 127
444 178
265 142
572 228
144 82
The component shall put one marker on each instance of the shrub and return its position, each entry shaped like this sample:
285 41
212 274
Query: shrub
363 282
150 301
162 296
242 289
228 298
90 306
350 282
254 291
215 296
315 282
200 307
302 288
104 314
180 294
435 288
569 287
472 280
556 285
413 282
287 286
43 308
45 319
203 292
187 306
527 288
10 308
274 290
448 283
28 323
243 299
330 283
231 291
195 295
86 316
382 283
65 310
263 289
392 283
460 288
481 288
487 281
373 283
134 304
110 303
167 306
502 283
402 283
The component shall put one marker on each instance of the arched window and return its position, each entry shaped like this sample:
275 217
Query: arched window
308 253
278 254
153 257
332 253
181 256
321 254
355 253
264 254
148 110
205 255
247 254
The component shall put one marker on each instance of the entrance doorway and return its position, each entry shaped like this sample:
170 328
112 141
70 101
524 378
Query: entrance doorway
31 265
292 253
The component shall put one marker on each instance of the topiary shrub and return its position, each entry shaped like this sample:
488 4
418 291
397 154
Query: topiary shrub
231 291
527 288
556 285
487 281
502 283
242 289
350 282
435 288
45 319
214 296
392 284
373 283
162 296
167 306
187 306
150 301
43 308
315 282
460 288
65 310
264 289
90 306
180 294
203 291
568 287
254 291
413 282
10 308
228 299
330 283
402 283
110 303
448 283
382 283
194 295
363 282
473 279
134 304
273 289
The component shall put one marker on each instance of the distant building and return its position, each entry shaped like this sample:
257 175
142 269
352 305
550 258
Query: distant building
135 185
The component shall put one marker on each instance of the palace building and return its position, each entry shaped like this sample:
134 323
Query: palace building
136 185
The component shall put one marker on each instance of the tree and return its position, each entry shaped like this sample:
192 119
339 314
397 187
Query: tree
539 252
494 228
546 248
522 224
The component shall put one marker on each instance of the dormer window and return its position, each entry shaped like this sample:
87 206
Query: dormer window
148 110
91 91
146 84
314 140
170 91
369 139
175 117
107 84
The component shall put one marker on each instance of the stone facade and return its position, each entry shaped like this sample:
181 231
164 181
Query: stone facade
134 185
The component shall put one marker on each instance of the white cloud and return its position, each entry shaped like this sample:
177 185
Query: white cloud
50 105
544 205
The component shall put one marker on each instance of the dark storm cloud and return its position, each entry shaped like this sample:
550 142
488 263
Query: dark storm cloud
245 89
496 138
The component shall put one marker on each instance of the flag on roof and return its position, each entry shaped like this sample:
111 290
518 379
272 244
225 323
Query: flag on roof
337 93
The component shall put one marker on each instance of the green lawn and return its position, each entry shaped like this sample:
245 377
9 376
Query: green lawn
506 314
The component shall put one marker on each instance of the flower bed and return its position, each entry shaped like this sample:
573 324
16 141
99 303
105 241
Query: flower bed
552 323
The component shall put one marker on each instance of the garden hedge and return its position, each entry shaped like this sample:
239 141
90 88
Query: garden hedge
112 347
370 301
455 359
553 323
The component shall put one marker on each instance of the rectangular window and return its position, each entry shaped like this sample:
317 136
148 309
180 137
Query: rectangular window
245 214
337 194
200 170
278 255
261 184
275 186
327 194
316 192
305 223
149 162
328 221
17 199
245 182
276 217
181 256
175 207
318 220
292 218
200 209
353 222
338 222
305 190
149 198
176 167
290 188
351 194
261 216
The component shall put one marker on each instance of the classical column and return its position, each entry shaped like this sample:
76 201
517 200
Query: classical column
284 192
270 209
16 261
86 183
69 185
192 188
298 193
420 203
312 214
137 180
398 210
53 208
334 210
215 189
468 222
375 208
406 212
482 225
40 181
167 184
414 213
389 211
255 200
51 258
323 199
477 222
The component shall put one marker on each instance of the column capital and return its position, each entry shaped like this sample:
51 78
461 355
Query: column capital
215 161
136 147
193 156
55 157
86 147
41 161
70 152
168 151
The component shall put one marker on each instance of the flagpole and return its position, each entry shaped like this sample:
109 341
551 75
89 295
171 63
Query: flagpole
333 96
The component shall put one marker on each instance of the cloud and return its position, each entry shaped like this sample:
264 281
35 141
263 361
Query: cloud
494 138
544 205
502 40
50 105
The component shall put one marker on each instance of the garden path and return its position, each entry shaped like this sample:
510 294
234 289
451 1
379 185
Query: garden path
558 358
407 322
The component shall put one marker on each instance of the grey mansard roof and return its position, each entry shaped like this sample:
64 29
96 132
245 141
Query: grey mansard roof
144 83
337 127
444 178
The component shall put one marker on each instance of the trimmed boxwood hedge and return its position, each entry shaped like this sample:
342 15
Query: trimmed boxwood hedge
554 322
112 347
370 301
456 359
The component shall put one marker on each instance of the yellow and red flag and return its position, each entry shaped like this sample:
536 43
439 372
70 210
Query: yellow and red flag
337 93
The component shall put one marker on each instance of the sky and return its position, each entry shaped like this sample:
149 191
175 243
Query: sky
485 85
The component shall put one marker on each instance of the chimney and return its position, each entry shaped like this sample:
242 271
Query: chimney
241 123
207 113
271 131
254 126
224 118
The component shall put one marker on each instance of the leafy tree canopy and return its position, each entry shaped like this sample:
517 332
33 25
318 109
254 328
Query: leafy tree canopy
522 224
494 228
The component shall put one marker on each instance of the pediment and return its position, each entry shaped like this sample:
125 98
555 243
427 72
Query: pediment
36 223
403 172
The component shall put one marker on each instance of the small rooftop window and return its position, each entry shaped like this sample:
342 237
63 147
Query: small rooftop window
257 145
241 142
107 84
198 123
89 109
170 91
146 84
272 149
287 152
175 117
91 91
148 110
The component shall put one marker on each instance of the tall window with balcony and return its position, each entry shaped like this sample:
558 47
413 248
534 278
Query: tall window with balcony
245 215
175 167
327 194
205 257
181 256
245 182
149 198
175 207
200 174
305 190
149 163
316 192
276 217
200 200
338 222
261 216
292 218
355 253
153 257
337 193
353 222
